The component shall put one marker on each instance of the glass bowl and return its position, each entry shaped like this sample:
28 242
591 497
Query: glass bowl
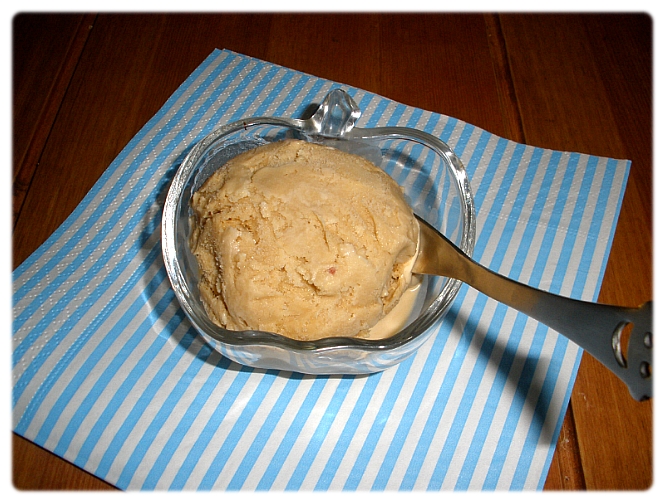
435 184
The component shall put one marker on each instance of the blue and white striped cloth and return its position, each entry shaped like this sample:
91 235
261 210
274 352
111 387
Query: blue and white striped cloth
109 374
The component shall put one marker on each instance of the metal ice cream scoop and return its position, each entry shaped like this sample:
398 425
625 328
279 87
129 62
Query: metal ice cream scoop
597 328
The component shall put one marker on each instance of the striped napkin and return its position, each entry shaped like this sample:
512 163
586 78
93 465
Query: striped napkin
109 374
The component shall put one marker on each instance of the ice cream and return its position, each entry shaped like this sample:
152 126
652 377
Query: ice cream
303 240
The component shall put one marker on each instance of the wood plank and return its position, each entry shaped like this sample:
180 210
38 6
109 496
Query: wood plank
384 54
562 82
513 124
47 48
37 468
584 84
110 97
443 78
566 470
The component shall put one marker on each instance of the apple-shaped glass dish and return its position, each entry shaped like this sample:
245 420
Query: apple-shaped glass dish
435 185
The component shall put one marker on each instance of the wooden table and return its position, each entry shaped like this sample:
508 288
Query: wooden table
85 84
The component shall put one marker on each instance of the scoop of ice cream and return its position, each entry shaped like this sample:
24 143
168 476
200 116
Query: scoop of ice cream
303 240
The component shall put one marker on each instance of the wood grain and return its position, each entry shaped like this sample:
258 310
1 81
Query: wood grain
595 90
84 84
53 44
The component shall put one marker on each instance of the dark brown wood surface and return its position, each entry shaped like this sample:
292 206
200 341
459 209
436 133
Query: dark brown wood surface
84 84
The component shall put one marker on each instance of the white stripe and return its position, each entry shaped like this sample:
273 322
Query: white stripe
198 425
304 438
131 400
67 342
433 386
93 376
274 441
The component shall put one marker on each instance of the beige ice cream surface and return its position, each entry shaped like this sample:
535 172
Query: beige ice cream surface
303 240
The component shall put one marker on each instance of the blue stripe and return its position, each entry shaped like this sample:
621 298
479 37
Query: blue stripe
355 93
379 109
467 335
391 166
79 343
574 224
239 427
252 96
494 396
291 95
498 202
449 127
220 365
436 407
307 99
477 155
542 198
348 432
212 427
373 436
142 404
488 177
553 222
593 232
277 89
396 115
304 464
613 226
162 416
403 174
293 432
148 173
414 118
560 420
413 406
540 413
467 400
62 400
118 241
465 135
431 197
261 439
112 367
489 340
509 353
519 400
114 403
527 373
453 227
555 365
488 344
516 210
